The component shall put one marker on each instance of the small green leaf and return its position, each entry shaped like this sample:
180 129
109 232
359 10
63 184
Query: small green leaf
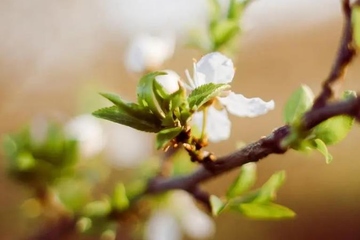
321 147
73 193
299 102
83 224
335 129
205 93
137 186
166 135
119 199
178 98
244 181
236 8
181 163
269 189
25 161
97 209
146 94
214 10
217 205
356 24
115 114
244 198
223 31
265 211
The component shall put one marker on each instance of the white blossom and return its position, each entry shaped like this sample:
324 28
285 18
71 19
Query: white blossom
170 81
88 131
217 68
126 147
194 222
162 225
148 52
179 213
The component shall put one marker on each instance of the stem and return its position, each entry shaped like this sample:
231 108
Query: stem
205 111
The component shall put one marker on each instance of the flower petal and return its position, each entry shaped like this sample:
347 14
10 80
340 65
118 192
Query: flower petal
241 106
170 81
216 67
148 52
218 124
162 225
88 131
195 223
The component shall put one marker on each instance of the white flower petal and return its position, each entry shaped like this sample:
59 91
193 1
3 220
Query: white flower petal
170 81
162 225
216 67
241 106
122 149
218 125
88 131
195 223
148 52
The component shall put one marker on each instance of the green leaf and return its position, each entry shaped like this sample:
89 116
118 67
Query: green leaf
116 114
178 98
223 31
214 10
217 205
162 97
83 224
236 8
321 147
356 24
335 129
119 199
299 102
269 189
97 209
131 108
244 181
265 211
205 93
166 135
181 163
146 94
73 193
25 161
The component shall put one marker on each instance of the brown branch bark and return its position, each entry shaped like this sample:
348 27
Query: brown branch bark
344 56
256 150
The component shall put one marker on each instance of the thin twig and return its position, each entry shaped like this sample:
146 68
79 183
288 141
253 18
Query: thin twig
345 54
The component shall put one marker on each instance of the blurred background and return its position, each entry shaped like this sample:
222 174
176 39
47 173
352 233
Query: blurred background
55 56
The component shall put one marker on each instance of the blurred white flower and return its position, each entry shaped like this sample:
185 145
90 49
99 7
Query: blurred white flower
217 68
195 223
181 210
170 81
88 131
148 53
162 225
126 147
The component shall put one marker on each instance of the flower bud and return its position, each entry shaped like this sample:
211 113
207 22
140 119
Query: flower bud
170 81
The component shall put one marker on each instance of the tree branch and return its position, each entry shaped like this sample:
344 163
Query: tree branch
256 150
320 112
345 55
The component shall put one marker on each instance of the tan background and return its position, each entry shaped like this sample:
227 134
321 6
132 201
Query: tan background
50 51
